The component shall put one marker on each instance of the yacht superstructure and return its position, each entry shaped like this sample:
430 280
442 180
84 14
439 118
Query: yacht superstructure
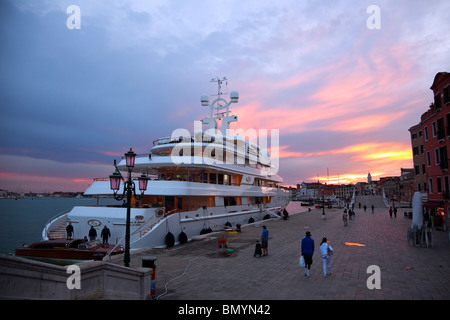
207 180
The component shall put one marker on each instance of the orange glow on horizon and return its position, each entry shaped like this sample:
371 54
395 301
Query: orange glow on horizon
380 151
88 181
346 178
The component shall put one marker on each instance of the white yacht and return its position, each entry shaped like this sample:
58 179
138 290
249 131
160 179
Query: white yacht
199 183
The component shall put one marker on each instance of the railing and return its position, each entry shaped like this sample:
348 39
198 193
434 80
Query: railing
52 221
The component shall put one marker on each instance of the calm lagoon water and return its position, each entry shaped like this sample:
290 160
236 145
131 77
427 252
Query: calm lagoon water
23 220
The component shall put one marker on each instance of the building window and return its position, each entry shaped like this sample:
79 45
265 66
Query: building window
439 184
415 150
448 122
447 94
446 185
437 101
428 159
426 133
417 170
433 129
430 184
436 156
441 129
444 157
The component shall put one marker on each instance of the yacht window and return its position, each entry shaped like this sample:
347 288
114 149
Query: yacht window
220 178
169 201
229 201
212 178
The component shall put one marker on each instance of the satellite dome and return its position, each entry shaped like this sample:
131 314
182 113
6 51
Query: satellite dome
234 95
205 100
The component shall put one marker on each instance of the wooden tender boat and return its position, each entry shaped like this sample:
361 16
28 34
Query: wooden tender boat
73 249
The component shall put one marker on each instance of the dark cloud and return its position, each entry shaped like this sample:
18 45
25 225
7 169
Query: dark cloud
135 71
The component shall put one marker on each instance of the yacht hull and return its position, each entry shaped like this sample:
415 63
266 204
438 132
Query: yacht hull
149 226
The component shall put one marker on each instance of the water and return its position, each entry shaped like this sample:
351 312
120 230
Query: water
296 207
22 220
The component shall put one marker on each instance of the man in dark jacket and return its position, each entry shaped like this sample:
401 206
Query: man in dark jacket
307 251
105 234
69 230
92 234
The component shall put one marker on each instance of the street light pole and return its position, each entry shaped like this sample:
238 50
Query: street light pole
126 258
323 207
323 204
128 189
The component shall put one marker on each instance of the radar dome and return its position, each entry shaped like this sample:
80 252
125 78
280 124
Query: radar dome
205 100
234 95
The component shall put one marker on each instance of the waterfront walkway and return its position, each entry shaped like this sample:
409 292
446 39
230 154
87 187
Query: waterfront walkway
407 271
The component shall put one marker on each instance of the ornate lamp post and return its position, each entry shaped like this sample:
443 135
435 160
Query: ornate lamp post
323 204
128 190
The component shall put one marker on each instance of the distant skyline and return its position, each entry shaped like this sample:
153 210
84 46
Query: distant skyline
77 91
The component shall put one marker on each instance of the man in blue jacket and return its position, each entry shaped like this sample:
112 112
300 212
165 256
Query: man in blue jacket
265 240
307 251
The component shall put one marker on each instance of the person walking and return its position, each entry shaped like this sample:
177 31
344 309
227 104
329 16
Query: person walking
390 212
395 212
69 231
307 251
92 234
326 250
105 234
373 208
344 217
265 241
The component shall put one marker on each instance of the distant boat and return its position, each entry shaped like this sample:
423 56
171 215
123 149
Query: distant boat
75 249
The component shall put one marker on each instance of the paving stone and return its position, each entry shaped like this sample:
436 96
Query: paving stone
407 271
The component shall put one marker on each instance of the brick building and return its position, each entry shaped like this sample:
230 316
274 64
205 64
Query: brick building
433 133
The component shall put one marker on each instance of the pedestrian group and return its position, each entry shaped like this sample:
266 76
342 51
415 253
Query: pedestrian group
307 252
105 234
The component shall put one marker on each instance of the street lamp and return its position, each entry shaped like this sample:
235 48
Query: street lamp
323 204
128 190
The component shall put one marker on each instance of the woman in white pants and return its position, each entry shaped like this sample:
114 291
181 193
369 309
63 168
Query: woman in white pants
326 250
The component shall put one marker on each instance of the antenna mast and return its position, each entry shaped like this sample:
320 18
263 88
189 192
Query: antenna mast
216 105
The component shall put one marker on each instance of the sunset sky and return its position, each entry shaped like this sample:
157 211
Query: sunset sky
342 95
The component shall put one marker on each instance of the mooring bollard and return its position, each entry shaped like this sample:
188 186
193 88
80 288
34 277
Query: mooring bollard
149 262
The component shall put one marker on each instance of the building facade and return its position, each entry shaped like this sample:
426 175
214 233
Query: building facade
418 151
432 162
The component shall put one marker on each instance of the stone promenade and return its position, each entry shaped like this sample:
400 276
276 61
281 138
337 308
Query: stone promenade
407 271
